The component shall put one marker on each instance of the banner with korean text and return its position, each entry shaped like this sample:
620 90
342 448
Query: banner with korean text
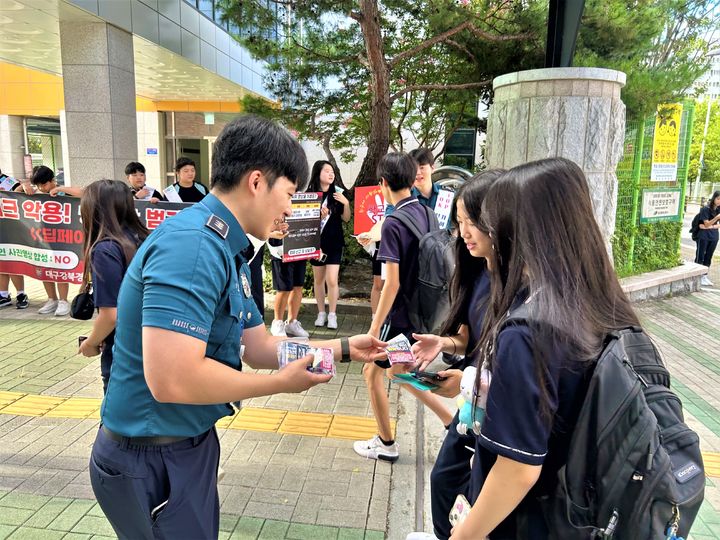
42 237
303 239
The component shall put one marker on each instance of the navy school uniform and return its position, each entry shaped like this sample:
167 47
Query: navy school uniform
513 426
707 239
450 475
191 277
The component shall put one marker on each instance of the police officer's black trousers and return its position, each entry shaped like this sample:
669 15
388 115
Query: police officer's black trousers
131 480
450 477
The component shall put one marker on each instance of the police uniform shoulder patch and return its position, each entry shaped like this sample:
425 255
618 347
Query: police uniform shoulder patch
218 225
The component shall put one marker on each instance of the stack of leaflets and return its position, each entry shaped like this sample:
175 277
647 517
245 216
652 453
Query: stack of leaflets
398 351
323 363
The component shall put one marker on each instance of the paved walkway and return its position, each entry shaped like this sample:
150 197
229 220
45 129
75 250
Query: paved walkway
290 469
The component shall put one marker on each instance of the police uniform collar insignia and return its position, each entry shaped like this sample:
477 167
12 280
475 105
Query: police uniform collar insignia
218 225
246 285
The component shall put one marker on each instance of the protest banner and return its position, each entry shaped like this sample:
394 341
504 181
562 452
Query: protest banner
303 239
443 206
42 236
369 208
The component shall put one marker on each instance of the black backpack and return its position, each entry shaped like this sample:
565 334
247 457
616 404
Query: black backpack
634 468
695 227
429 303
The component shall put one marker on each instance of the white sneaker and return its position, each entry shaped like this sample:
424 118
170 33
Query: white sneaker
375 449
48 307
705 281
332 321
63 308
321 319
421 536
295 329
277 328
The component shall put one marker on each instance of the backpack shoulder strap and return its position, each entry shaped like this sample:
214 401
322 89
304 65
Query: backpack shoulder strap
408 221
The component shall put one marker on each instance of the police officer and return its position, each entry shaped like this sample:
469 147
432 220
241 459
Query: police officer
183 309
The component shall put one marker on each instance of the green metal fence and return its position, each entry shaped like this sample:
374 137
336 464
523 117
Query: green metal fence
637 247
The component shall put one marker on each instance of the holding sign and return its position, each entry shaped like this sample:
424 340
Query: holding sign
303 239
369 208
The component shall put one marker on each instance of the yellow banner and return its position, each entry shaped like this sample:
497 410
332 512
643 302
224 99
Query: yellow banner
665 143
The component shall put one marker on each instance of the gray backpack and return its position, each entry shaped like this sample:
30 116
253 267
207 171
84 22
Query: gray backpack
634 469
429 303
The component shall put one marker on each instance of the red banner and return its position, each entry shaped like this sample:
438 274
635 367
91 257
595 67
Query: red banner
369 208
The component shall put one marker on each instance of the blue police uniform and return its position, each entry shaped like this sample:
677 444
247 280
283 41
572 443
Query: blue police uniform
190 276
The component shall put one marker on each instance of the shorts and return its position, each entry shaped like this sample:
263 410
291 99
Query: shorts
287 276
333 256
388 331
376 265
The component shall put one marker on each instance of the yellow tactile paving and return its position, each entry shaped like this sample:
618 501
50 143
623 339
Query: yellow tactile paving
76 408
249 419
6 398
258 419
299 423
712 463
353 427
31 405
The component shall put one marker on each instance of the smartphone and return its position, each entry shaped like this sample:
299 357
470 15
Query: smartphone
81 339
428 376
459 511
323 257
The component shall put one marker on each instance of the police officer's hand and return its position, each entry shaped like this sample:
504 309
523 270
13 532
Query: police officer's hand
367 348
450 387
297 378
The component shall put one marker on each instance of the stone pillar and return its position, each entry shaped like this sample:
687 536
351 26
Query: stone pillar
99 83
574 113
12 146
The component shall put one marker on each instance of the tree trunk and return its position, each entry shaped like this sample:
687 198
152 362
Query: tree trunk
379 136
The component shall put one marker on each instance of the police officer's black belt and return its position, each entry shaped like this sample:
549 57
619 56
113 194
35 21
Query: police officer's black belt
144 441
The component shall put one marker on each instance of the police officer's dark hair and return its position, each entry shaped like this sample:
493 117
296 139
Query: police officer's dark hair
423 156
42 175
398 169
182 162
134 167
251 143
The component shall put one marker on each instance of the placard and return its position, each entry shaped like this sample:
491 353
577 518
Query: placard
660 205
303 239
369 208
443 206
665 143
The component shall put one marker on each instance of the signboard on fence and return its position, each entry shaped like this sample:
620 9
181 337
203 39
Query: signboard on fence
303 239
42 237
660 205
369 208
665 143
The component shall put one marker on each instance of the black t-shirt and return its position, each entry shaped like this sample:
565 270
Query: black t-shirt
332 238
108 268
193 194
514 428
706 214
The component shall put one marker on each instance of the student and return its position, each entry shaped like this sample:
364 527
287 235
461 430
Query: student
707 238
335 210
189 190
43 181
470 291
135 174
21 299
113 233
184 309
547 252
399 253
424 188
288 280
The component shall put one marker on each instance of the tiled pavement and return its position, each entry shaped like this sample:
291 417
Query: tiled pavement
279 485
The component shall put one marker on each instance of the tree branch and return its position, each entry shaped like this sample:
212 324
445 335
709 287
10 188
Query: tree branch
462 48
416 87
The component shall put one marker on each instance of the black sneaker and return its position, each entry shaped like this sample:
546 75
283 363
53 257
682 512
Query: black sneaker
5 301
21 302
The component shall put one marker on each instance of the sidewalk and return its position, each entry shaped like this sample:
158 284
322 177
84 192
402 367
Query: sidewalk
290 468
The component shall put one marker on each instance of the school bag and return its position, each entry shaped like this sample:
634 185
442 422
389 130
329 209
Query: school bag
429 303
695 227
634 468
